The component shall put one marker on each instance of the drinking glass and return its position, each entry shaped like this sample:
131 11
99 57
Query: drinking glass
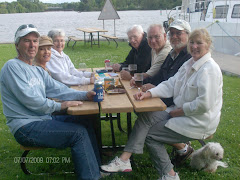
132 69
108 67
125 69
138 77
82 66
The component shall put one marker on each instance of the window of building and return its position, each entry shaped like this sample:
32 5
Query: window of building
236 11
221 11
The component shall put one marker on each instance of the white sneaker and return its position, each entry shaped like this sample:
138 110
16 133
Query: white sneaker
168 177
117 165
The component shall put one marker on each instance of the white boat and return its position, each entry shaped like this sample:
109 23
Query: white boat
220 17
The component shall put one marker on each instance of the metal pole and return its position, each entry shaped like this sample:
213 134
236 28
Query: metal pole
114 28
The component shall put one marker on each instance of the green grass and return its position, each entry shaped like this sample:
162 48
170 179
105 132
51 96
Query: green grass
227 133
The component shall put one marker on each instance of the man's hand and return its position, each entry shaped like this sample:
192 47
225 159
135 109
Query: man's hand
66 104
125 75
90 95
116 67
147 86
142 95
177 112
132 82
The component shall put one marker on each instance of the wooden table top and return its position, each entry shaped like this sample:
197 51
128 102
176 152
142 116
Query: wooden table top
116 103
91 30
152 104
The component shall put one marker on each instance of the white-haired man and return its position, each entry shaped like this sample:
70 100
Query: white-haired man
140 53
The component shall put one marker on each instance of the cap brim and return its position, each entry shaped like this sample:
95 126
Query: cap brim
26 32
176 27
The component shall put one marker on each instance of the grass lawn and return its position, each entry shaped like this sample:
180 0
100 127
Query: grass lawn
227 133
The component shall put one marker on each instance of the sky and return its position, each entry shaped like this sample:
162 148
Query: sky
46 1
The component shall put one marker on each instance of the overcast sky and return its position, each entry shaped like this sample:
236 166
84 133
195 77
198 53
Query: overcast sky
46 1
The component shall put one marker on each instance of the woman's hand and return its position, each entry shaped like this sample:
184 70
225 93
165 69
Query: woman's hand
92 80
177 112
147 86
142 95
66 104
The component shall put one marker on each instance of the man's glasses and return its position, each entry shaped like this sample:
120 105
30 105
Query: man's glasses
24 26
177 33
157 37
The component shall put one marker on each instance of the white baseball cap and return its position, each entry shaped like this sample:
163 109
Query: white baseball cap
180 25
23 30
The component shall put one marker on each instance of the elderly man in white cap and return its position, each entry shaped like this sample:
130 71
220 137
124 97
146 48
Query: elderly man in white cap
149 124
24 92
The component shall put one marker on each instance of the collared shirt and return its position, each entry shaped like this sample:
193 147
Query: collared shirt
158 59
197 89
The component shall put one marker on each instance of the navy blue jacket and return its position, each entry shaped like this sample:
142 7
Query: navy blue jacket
141 57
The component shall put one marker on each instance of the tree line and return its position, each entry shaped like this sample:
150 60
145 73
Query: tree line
27 6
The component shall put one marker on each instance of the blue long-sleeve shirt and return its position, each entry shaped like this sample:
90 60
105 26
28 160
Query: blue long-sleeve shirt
24 92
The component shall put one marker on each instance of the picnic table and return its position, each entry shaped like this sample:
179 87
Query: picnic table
91 31
117 103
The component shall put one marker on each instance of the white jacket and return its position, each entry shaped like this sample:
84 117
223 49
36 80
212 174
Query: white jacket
63 70
197 88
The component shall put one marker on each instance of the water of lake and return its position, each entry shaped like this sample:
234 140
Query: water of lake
71 20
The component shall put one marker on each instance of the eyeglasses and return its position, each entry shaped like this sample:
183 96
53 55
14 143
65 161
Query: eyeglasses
130 38
157 37
178 33
24 26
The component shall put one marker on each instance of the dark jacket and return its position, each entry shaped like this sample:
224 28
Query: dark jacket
141 57
168 69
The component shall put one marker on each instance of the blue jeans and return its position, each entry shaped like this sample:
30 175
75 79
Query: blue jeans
63 132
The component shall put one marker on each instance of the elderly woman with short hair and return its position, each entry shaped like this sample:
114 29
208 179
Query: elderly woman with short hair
61 66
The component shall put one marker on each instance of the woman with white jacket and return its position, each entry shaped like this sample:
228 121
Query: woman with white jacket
61 66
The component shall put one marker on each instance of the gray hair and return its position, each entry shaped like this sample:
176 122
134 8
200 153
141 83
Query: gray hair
56 32
138 28
156 25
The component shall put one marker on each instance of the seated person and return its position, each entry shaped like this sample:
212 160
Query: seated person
44 52
140 53
193 116
24 92
157 40
61 66
178 32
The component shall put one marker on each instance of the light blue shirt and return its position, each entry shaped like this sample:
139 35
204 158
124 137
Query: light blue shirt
24 92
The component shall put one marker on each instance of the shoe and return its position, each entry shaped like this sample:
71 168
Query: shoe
168 177
117 165
179 159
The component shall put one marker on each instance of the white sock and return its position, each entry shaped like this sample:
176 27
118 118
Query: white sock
183 150
124 160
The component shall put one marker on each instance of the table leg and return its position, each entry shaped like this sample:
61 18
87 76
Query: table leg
84 39
98 40
112 131
129 124
91 38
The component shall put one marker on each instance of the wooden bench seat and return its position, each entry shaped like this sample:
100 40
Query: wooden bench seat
73 38
110 37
